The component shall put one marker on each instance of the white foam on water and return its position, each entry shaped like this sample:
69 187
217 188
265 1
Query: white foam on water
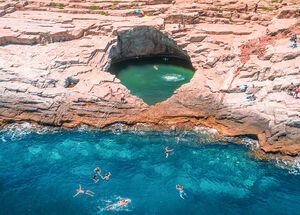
292 166
253 144
204 130
16 131
173 77
19 131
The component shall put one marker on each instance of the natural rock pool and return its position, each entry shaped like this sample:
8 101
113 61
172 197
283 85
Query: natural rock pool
152 81
40 173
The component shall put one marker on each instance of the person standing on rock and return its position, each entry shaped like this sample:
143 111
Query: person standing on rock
255 8
297 91
291 89
246 8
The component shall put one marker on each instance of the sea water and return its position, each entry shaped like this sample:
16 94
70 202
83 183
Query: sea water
154 83
40 172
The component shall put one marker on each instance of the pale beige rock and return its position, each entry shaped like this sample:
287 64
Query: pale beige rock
53 62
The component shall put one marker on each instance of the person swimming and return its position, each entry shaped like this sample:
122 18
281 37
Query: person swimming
167 151
106 177
181 191
155 67
81 191
97 170
95 179
120 204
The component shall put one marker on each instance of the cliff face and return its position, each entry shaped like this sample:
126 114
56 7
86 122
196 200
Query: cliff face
53 62
143 41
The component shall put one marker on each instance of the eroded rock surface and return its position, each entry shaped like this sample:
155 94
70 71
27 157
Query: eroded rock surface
53 57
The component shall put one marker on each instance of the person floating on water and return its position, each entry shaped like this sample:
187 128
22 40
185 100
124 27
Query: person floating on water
97 170
81 191
95 179
120 204
106 177
155 67
181 191
167 151
173 129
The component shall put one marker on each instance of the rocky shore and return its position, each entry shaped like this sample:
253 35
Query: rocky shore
54 58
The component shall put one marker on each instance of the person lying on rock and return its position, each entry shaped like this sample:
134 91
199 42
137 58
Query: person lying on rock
251 98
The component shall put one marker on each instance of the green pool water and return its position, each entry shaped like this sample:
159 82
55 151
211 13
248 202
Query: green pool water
153 83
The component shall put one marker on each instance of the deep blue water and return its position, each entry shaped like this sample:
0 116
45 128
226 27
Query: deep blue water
39 174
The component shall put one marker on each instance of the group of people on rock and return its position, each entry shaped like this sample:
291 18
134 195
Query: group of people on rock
255 8
250 90
111 94
294 90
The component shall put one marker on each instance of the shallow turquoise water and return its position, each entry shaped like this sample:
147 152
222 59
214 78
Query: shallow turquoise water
39 174
154 82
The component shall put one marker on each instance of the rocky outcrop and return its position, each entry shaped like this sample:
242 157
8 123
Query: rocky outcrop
143 41
53 64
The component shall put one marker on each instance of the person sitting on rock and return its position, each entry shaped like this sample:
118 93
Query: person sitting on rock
123 100
251 98
297 91
291 89
293 41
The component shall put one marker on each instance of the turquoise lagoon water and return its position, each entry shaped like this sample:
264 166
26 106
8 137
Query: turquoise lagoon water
39 173
153 82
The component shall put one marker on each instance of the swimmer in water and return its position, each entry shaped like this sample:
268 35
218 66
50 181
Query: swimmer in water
95 179
181 191
167 151
178 139
97 170
155 67
106 177
81 191
120 204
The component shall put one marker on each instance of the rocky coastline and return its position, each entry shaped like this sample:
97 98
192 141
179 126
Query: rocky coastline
54 62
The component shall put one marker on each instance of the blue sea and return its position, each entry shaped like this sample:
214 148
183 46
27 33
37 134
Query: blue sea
40 172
